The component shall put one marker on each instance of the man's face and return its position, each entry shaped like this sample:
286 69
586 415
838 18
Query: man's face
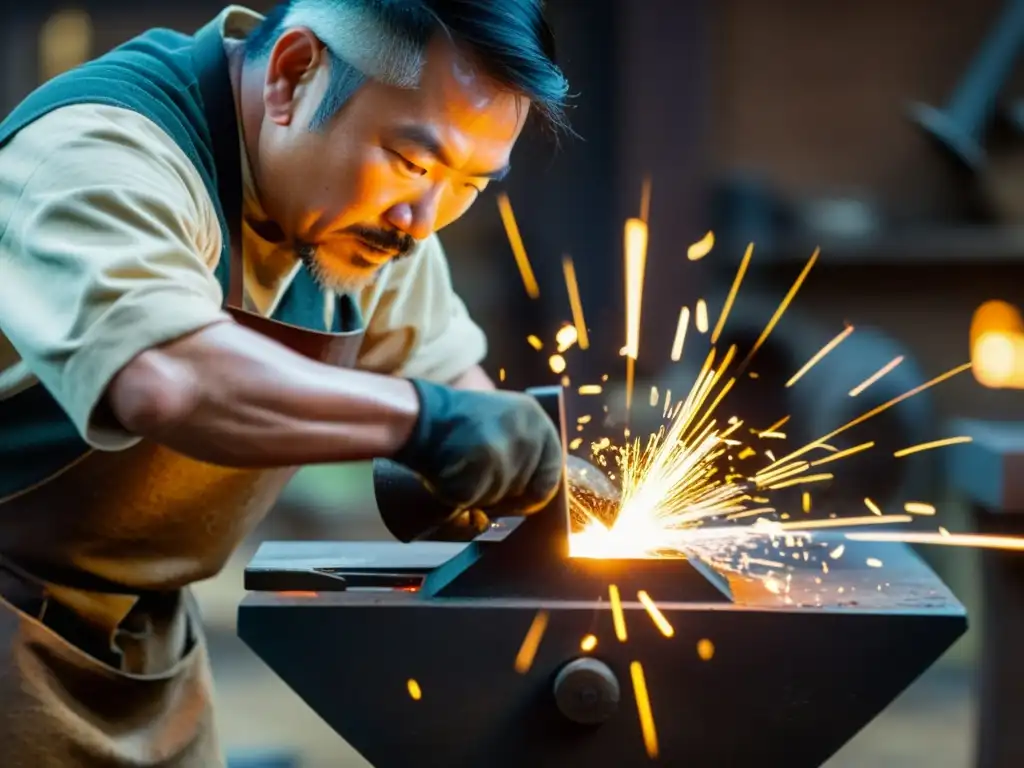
392 167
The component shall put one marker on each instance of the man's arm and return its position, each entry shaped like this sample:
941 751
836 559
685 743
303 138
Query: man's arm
474 378
109 298
232 397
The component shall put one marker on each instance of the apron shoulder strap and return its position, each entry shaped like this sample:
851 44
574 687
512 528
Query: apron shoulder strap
213 75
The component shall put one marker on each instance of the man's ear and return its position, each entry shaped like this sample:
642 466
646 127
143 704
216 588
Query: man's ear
293 60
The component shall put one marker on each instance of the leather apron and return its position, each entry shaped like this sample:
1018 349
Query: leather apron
102 658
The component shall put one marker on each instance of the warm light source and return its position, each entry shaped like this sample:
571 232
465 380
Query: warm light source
997 346
65 41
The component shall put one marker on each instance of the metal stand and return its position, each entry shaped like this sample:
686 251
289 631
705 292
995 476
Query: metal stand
960 124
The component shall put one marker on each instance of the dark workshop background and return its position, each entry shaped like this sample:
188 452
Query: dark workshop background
785 122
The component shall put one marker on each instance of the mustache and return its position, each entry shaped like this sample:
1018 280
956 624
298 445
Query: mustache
388 240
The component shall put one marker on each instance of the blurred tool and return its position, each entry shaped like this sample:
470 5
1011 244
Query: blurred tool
961 123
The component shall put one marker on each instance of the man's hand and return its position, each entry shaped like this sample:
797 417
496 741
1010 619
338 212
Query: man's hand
493 451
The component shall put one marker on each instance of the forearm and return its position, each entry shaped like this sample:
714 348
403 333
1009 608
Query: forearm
229 396
474 378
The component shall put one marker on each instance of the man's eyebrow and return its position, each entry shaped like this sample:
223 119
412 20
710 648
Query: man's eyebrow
428 141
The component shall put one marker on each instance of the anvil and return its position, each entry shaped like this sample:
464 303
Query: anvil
779 671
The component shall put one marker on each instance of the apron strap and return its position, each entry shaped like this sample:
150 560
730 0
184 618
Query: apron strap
214 76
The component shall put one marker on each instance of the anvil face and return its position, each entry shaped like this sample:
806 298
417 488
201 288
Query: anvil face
792 678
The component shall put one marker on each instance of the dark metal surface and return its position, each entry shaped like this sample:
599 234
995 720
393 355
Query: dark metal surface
793 676
803 656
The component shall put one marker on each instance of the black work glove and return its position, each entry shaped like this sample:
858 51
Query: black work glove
497 452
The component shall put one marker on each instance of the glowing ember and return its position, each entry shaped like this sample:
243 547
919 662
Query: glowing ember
701 248
415 692
705 649
531 642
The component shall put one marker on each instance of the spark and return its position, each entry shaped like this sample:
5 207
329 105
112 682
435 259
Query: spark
918 508
843 454
888 367
636 263
575 304
701 316
588 643
535 342
415 692
681 326
576 443
806 501
819 355
531 642
585 419
654 397
777 424
556 363
772 435
731 296
567 336
590 389
645 199
781 309
655 613
840 522
929 446
705 649
701 248
643 707
947 539
873 562
518 250
872 506
618 618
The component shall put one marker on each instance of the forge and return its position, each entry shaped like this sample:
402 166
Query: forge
751 674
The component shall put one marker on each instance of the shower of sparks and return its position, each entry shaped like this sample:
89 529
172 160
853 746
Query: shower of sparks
588 643
618 617
731 296
643 708
415 692
681 326
701 248
518 249
929 446
531 642
575 304
655 613
887 368
819 355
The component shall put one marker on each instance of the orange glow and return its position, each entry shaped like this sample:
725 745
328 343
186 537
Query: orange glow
298 593
997 346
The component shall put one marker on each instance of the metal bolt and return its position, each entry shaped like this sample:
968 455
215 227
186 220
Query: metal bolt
587 691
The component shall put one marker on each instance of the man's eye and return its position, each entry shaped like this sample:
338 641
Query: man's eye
409 166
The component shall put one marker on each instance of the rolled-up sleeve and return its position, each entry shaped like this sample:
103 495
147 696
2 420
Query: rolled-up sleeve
419 327
106 253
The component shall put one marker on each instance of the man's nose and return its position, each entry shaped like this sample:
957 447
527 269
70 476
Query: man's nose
417 218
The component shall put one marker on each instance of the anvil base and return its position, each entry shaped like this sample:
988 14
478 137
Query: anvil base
793 676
